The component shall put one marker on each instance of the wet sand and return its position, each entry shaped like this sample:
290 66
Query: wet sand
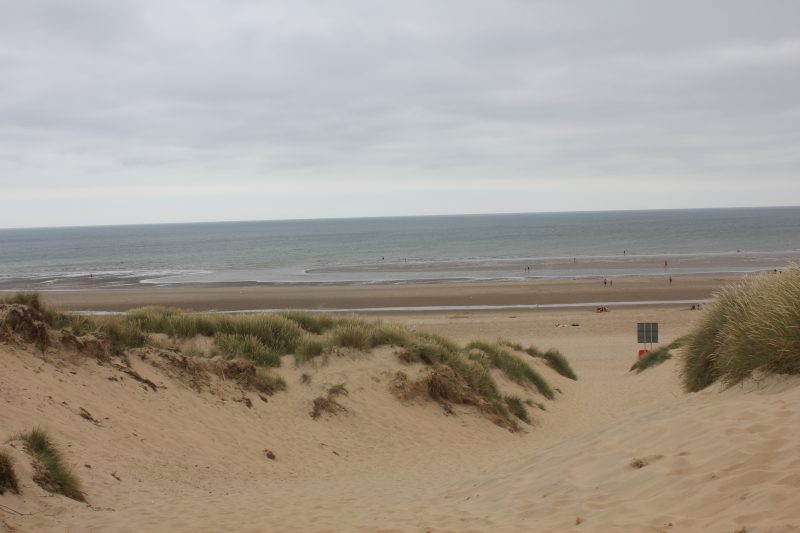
238 297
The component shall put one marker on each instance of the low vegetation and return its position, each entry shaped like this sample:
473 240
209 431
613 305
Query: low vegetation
456 374
752 326
50 472
248 347
653 358
517 408
515 368
554 360
8 479
317 323
328 404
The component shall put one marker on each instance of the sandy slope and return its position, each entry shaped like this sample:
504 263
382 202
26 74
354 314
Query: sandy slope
189 461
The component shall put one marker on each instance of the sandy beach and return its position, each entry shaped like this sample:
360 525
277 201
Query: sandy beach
236 297
614 451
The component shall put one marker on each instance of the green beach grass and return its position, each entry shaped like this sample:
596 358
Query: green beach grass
50 471
753 326
264 338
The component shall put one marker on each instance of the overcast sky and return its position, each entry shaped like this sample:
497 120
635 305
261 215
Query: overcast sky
151 111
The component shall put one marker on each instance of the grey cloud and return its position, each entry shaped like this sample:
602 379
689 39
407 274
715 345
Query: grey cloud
103 93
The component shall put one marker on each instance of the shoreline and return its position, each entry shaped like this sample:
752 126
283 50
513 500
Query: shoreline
411 297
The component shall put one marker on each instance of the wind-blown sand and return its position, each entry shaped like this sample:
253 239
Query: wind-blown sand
179 460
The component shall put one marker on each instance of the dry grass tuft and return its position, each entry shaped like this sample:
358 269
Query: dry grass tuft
328 404
323 404
8 479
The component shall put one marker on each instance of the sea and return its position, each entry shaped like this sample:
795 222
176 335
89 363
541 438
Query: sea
416 249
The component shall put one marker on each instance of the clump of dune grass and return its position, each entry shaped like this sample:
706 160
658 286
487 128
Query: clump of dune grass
50 472
381 334
48 314
8 479
305 379
555 360
751 326
29 299
247 347
513 367
276 333
351 334
513 345
328 403
678 343
651 359
268 383
307 350
517 408
429 348
121 333
316 323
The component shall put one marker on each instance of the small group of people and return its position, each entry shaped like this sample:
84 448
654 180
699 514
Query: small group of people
601 309
608 282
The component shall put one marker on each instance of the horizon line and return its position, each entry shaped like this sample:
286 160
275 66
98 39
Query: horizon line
443 215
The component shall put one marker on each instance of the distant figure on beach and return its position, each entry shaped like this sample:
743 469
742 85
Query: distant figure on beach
624 252
670 279
665 263
605 282
574 260
611 283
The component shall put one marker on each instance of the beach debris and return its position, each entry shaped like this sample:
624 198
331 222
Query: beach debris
328 403
641 462
135 375
245 400
115 476
269 454
88 416
578 520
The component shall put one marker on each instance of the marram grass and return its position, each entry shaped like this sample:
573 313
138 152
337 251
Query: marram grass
751 326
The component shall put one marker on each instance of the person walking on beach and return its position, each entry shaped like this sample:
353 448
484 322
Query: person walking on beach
670 280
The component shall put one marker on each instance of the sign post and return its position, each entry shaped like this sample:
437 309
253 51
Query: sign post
646 333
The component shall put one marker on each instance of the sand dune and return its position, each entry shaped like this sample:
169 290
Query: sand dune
613 452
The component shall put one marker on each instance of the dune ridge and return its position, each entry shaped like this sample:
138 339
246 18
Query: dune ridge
615 451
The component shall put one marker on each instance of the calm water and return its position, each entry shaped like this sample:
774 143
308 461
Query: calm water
404 249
